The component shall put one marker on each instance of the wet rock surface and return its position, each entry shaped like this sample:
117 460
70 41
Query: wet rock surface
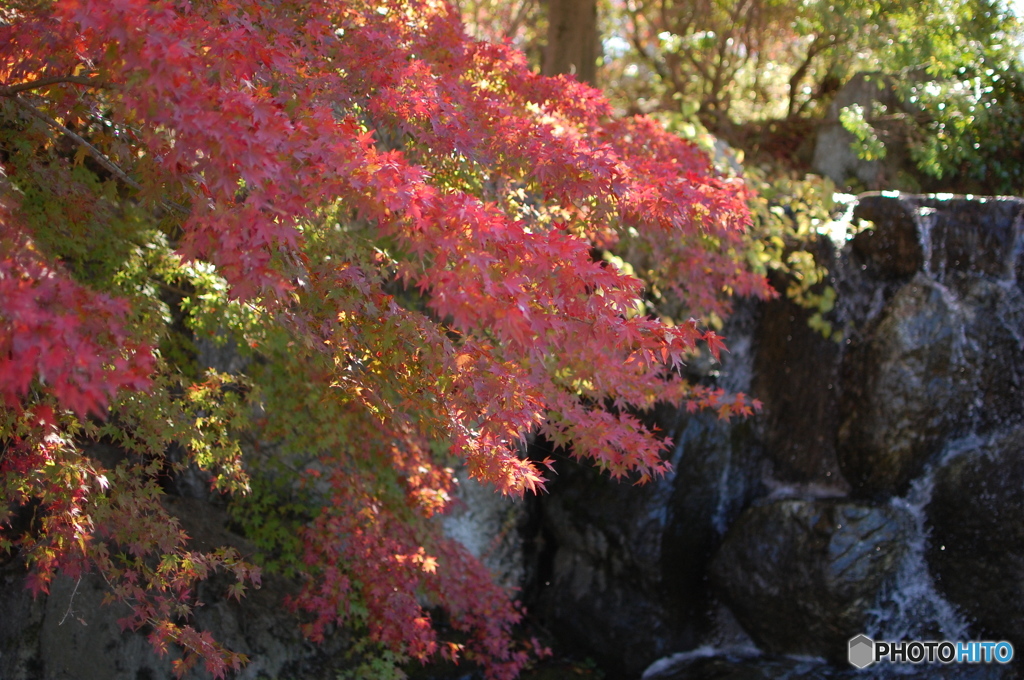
717 477
622 571
738 666
907 387
893 248
940 235
976 547
602 588
796 373
944 357
972 236
802 575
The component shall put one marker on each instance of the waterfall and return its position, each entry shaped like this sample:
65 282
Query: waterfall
912 609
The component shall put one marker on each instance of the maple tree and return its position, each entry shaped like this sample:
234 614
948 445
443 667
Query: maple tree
406 237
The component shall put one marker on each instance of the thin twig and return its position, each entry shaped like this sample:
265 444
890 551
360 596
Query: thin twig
70 602
98 155
11 90
93 151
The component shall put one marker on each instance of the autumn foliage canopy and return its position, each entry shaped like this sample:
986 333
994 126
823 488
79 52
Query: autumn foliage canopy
408 245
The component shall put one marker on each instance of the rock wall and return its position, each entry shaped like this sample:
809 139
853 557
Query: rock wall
881 491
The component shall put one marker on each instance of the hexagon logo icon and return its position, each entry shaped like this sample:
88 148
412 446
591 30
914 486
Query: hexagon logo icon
862 651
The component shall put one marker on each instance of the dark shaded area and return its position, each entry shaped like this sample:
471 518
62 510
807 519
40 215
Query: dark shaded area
803 575
796 373
976 549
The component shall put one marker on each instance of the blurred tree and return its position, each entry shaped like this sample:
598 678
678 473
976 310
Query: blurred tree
522 23
573 41
735 64
558 36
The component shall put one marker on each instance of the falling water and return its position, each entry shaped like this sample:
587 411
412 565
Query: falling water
925 220
913 609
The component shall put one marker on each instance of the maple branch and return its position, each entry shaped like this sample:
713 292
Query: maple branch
98 155
11 90
70 602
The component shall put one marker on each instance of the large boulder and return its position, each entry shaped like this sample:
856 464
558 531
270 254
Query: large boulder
893 247
491 527
942 356
941 235
942 361
836 149
976 236
802 576
976 549
906 388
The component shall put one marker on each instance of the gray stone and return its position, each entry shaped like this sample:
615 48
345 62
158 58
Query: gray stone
942 361
803 575
904 390
977 236
491 527
835 156
893 246
940 235
796 376
976 549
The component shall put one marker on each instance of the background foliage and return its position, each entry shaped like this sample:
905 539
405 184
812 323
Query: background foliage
762 75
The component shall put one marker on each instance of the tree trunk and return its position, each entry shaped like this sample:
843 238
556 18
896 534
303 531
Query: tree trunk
572 39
